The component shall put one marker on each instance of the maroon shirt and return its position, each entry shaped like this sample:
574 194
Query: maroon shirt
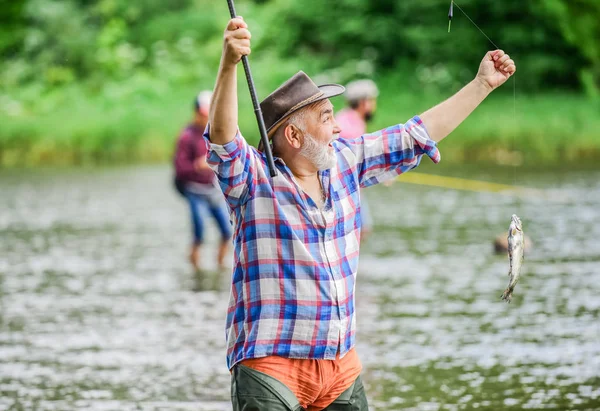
191 145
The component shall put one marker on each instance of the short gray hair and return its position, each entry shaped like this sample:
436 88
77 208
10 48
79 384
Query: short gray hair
297 118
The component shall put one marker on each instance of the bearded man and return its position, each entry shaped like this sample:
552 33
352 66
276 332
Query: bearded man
291 324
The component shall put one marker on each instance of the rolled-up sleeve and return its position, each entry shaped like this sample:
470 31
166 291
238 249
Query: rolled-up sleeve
234 164
387 153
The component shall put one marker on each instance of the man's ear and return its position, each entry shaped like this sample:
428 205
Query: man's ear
293 136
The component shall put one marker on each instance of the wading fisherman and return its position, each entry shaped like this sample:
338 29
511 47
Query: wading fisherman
195 181
291 324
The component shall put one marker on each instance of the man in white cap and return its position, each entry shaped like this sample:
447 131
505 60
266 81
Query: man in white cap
197 183
361 96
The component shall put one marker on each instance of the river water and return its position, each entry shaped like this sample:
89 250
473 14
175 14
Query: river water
100 311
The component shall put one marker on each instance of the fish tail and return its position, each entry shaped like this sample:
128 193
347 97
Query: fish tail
507 295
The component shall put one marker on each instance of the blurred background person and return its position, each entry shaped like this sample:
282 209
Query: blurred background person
361 97
196 182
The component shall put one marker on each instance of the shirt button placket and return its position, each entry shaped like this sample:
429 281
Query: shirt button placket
336 275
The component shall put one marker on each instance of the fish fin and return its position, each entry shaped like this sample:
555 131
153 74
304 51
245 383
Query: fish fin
507 295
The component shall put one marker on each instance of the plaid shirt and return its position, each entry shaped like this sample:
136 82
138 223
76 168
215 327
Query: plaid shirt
295 264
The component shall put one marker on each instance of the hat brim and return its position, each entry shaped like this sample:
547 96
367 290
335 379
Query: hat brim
328 90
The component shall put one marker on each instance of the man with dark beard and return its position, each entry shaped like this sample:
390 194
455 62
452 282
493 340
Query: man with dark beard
361 96
291 323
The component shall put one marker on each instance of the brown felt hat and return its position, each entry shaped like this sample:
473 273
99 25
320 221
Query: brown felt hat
299 91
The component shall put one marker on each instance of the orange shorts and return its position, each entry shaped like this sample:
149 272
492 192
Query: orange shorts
316 383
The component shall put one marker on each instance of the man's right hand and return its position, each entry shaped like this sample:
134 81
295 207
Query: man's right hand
236 41
223 116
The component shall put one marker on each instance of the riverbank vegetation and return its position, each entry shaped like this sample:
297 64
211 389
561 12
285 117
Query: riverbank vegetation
113 81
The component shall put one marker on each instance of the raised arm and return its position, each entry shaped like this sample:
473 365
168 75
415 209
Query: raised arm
495 68
223 116
236 164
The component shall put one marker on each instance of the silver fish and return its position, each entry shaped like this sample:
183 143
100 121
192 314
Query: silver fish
516 248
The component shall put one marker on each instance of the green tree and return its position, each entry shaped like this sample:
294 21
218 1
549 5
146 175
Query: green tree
414 32
579 22
12 26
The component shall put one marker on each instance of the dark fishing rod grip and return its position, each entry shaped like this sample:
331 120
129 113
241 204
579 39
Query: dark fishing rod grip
257 111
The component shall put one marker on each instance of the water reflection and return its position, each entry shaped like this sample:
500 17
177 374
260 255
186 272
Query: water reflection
99 309
210 280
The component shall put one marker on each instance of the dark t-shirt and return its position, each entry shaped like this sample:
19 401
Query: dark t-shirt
191 146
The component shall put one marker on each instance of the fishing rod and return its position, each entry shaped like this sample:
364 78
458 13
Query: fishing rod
257 111
450 15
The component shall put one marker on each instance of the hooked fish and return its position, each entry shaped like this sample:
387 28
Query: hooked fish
516 249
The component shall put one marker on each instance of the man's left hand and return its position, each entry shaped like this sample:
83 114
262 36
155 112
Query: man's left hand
495 68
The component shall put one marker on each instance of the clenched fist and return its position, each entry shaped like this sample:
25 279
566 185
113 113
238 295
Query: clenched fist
236 41
495 68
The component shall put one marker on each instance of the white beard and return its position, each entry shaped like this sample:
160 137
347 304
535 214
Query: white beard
317 153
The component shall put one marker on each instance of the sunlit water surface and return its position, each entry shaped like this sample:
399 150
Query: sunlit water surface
100 311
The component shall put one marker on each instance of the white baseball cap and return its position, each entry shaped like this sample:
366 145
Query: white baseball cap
202 102
361 89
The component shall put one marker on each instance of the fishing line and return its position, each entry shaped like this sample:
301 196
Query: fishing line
515 252
514 133
475 24
450 15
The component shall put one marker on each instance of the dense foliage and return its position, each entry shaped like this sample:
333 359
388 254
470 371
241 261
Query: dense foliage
57 42
87 81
